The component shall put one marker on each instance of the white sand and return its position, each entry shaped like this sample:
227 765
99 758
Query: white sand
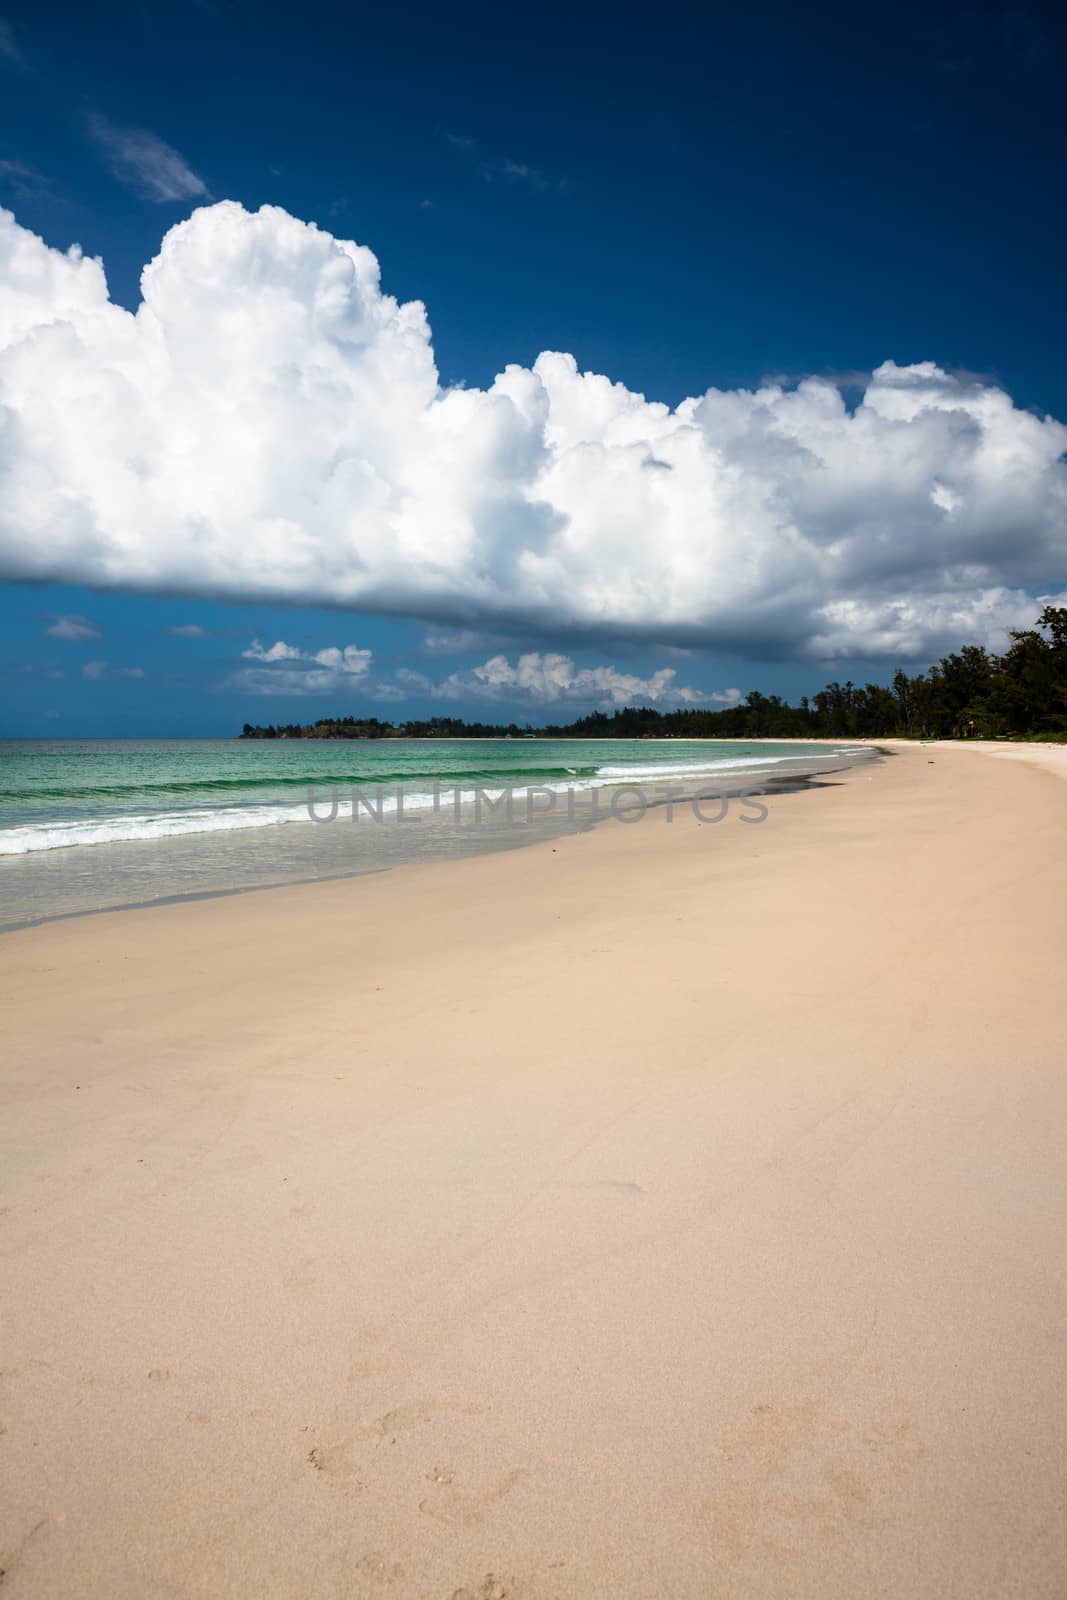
672 1211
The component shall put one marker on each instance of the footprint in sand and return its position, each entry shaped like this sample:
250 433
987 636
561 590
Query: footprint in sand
369 1367
380 1569
335 1460
489 1588
790 1465
367 1358
412 1416
754 1454
461 1510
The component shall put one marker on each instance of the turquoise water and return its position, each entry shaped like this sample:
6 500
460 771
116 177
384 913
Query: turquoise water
112 822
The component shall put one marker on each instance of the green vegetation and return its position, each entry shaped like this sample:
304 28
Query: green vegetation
969 694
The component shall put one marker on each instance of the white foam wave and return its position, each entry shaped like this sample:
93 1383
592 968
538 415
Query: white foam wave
692 769
164 825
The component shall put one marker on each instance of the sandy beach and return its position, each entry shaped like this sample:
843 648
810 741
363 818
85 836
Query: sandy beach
668 1210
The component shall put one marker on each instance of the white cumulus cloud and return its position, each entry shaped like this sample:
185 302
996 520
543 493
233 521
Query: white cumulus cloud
536 679
270 425
548 677
284 669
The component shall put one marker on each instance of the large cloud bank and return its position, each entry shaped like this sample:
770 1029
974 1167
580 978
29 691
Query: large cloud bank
270 424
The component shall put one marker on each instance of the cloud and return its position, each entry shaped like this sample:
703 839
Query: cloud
535 679
97 671
458 641
31 667
188 630
146 163
522 172
284 669
493 166
25 181
270 426
548 678
69 626
9 50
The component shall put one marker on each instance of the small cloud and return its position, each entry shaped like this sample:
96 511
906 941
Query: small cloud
285 669
522 172
279 651
188 630
97 671
494 166
72 627
147 163
9 50
32 668
459 641
25 181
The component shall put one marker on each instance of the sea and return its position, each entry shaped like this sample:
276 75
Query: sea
102 824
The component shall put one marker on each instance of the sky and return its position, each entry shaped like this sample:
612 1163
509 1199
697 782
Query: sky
509 363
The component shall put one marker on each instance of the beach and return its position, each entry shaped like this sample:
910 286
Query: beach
671 1208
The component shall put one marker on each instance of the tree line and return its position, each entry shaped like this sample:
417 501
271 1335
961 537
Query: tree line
970 693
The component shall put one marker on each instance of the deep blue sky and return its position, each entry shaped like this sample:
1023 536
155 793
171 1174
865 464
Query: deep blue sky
709 195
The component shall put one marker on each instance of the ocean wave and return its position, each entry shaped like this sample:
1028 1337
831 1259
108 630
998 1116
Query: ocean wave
250 784
65 834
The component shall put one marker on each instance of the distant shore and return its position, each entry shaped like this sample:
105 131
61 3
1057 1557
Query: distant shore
658 1210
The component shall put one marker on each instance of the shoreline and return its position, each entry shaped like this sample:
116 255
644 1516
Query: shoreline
1048 757
469 839
482 1228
